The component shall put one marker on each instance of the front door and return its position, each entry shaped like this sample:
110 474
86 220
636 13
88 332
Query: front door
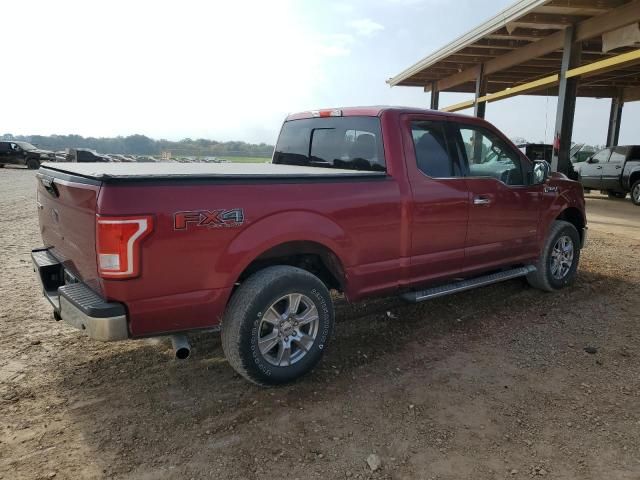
504 208
591 170
440 200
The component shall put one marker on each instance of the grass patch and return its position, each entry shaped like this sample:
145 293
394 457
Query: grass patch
247 159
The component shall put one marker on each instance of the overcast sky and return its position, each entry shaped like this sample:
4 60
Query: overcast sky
233 70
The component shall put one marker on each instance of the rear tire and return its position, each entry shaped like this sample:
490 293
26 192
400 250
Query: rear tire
277 325
635 193
33 164
557 266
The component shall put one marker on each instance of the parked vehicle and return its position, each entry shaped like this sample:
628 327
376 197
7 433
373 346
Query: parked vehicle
23 153
614 171
85 155
367 201
537 151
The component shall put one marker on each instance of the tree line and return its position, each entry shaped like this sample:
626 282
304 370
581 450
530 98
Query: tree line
143 145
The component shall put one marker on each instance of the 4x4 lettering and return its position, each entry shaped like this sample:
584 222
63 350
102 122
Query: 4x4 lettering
208 218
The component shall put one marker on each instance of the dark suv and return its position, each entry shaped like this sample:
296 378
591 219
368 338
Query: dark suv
23 153
614 171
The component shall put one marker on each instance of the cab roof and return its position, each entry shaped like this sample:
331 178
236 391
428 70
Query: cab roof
366 111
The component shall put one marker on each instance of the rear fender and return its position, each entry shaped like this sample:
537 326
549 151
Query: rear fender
280 228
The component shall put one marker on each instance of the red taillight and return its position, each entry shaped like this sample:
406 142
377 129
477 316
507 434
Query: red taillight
118 242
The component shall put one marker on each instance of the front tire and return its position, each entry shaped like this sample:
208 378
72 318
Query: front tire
557 266
635 193
33 164
277 325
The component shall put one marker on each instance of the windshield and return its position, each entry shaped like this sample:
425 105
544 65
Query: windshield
25 146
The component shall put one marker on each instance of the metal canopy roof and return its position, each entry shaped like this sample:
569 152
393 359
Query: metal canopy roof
524 43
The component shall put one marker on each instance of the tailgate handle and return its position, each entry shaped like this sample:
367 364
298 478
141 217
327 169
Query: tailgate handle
50 186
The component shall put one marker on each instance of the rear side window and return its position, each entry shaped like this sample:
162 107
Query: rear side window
432 151
618 155
352 143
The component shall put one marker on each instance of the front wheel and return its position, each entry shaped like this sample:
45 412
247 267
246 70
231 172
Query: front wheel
635 193
33 164
277 325
557 266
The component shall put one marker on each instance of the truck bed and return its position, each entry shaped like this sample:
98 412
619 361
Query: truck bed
115 172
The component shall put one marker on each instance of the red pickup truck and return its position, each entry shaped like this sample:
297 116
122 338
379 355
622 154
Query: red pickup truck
365 201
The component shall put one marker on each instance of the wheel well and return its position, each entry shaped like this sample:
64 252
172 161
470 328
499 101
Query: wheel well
635 176
310 256
573 216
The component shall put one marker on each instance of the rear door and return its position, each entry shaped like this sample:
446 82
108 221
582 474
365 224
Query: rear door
440 205
504 208
591 170
612 170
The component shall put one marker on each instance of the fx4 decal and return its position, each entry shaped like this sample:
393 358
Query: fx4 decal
209 219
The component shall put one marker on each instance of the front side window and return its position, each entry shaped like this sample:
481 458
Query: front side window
490 156
602 156
352 143
432 151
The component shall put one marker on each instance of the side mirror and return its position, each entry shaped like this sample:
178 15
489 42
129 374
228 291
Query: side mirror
591 160
541 171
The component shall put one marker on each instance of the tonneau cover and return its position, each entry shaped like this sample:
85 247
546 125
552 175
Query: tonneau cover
172 170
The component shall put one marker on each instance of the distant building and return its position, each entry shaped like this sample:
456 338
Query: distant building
165 155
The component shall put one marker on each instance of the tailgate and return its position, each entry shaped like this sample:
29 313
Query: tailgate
67 217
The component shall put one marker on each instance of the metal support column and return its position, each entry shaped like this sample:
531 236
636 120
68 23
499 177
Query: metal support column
435 96
481 90
615 117
565 113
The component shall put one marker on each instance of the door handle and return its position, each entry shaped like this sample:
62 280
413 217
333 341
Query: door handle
481 201
598 168
618 167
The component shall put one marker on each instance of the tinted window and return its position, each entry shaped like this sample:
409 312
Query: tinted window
352 143
635 153
432 152
489 156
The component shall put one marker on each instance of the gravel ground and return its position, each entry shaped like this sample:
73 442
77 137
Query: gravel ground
494 383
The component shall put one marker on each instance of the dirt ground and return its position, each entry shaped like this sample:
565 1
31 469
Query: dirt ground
494 383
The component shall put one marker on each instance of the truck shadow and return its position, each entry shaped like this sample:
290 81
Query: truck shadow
134 400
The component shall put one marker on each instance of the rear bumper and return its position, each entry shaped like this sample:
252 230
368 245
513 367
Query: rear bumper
76 303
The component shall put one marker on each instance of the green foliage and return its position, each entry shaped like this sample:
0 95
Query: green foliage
142 145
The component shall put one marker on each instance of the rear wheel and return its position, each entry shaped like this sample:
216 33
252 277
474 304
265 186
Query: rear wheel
635 193
277 325
557 266
33 164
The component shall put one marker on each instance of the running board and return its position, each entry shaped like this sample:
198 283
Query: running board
442 290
